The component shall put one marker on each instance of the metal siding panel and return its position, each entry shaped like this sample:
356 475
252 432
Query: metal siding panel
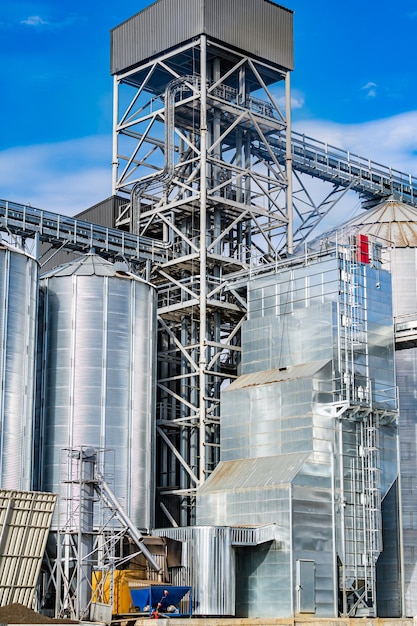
404 273
388 565
100 377
261 28
314 539
25 519
162 25
18 294
406 366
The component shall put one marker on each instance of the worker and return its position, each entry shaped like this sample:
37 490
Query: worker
163 602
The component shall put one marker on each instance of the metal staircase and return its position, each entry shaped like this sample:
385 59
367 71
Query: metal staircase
361 489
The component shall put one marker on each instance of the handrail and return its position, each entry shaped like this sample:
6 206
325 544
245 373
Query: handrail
27 222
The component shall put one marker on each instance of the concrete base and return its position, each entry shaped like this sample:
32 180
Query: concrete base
263 621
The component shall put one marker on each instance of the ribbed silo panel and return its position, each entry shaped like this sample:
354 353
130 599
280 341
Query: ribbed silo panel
260 27
99 383
18 309
406 364
404 272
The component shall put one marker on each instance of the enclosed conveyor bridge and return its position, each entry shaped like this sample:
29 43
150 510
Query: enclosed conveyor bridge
77 235
371 180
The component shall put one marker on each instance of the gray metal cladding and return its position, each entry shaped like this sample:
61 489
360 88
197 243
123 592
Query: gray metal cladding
273 342
208 566
260 27
388 565
403 266
25 518
98 387
406 365
18 297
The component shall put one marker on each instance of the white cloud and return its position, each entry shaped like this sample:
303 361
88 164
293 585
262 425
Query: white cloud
278 93
70 176
391 141
37 21
34 20
370 89
65 177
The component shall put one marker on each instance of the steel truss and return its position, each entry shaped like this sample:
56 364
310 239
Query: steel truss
193 156
91 538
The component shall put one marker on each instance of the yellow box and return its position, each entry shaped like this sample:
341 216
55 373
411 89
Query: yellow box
122 581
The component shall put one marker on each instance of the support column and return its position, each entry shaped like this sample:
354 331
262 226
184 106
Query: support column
203 259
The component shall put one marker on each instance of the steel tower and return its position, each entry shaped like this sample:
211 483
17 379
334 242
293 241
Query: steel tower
201 91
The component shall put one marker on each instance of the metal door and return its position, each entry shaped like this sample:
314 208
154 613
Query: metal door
306 586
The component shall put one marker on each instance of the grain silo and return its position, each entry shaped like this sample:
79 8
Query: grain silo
98 378
394 223
18 293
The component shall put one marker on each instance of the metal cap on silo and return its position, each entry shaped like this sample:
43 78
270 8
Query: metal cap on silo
91 264
391 221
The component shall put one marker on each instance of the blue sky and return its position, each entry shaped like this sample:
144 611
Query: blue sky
354 85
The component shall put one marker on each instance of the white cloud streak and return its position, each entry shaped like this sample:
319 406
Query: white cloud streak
370 89
391 141
68 177
65 177
34 20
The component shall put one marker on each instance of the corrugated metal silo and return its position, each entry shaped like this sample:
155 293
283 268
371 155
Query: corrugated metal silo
98 376
395 224
18 295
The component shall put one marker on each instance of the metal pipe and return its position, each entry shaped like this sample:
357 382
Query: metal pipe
115 160
288 162
110 499
203 259
166 174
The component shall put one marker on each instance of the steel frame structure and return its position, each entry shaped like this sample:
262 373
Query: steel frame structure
193 157
88 544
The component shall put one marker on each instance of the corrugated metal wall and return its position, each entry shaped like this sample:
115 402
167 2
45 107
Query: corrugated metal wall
404 272
25 519
260 27
406 364
18 318
98 357
295 317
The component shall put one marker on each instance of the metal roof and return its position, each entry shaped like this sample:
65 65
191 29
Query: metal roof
266 377
90 265
255 473
25 519
391 221
259 27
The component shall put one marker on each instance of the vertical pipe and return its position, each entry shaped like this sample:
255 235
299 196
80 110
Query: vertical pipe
203 257
288 161
342 513
85 531
115 163
401 528
334 546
